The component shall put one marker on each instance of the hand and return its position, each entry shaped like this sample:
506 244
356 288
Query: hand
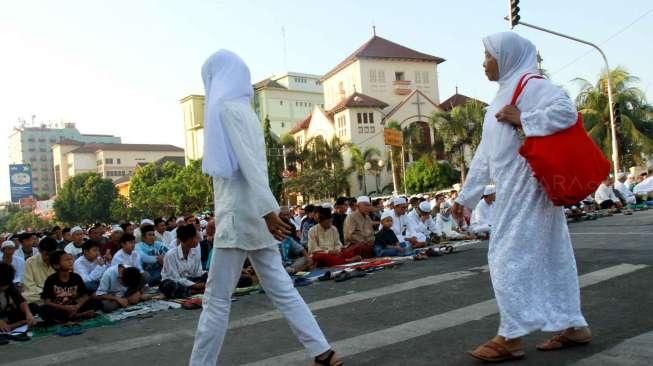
29 319
72 309
159 259
198 286
122 301
4 327
276 226
509 114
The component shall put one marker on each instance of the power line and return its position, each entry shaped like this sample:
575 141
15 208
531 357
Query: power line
605 41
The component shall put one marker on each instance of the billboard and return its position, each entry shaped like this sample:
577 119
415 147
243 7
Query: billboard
20 181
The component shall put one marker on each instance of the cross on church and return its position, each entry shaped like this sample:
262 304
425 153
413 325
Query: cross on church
418 103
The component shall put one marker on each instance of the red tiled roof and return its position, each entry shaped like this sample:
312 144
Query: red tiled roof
301 125
404 101
378 47
457 100
357 100
268 83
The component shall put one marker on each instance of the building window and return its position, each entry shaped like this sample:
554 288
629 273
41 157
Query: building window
53 140
283 124
43 149
118 161
372 76
108 161
31 139
281 102
371 117
365 118
36 179
41 139
371 129
31 149
44 158
380 76
418 77
359 117
399 76
32 159
425 77
360 129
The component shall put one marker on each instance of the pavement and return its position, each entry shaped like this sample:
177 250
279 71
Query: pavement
421 313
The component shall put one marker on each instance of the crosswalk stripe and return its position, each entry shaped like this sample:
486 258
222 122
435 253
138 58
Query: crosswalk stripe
146 341
636 351
421 327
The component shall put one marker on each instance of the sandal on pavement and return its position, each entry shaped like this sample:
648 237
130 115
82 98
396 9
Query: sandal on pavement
302 281
325 277
342 276
561 341
19 336
492 351
331 360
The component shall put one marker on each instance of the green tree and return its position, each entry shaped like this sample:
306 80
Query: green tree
359 158
191 190
150 189
459 129
84 199
21 219
427 175
273 153
634 124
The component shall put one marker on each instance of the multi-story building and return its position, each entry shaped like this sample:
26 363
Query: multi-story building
381 82
33 145
283 99
112 161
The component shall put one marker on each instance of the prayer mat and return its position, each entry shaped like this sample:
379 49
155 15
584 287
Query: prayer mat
142 308
99 321
242 291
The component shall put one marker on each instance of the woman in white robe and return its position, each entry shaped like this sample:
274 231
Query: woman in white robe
247 224
530 256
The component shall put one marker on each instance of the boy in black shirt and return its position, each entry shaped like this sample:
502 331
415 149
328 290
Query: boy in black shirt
64 293
14 311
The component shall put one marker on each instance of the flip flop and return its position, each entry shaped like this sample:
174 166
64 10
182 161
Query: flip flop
64 331
325 277
19 337
560 341
357 273
501 352
342 276
302 281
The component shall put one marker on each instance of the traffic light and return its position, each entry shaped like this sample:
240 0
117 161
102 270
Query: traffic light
513 15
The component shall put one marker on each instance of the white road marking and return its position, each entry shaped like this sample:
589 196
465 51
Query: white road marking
421 327
636 351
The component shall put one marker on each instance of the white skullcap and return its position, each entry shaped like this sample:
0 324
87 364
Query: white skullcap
425 207
399 201
420 195
363 199
203 223
180 220
76 229
386 203
8 244
116 228
621 175
386 214
489 190
147 222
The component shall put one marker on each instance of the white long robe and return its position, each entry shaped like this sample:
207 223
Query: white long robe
625 192
530 256
482 218
419 229
242 200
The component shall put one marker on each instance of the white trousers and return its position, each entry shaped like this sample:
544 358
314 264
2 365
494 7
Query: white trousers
226 266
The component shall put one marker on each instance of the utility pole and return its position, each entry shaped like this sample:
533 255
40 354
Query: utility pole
514 19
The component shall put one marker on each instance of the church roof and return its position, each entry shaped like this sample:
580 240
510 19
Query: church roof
301 125
404 101
268 83
457 100
357 100
378 47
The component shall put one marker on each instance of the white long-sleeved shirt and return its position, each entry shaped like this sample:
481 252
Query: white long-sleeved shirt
178 269
604 193
19 252
89 271
132 260
73 250
625 192
110 283
418 228
446 227
482 218
168 238
399 226
644 187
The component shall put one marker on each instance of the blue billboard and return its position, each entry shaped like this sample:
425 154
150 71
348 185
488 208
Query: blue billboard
20 181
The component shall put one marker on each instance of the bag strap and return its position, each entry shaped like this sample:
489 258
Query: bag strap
521 84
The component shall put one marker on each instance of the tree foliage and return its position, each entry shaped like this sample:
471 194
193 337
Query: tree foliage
634 124
359 158
427 175
458 130
273 153
19 219
84 199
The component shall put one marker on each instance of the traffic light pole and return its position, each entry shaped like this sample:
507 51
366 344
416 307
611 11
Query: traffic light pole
613 130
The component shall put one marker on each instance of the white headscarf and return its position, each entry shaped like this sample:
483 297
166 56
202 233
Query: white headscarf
226 79
515 56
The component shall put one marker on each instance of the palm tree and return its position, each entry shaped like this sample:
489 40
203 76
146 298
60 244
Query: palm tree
458 130
359 159
633 121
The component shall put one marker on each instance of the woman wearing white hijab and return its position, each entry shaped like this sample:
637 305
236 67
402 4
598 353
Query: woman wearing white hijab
531 260
247 224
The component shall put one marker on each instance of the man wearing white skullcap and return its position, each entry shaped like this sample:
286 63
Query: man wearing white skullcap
482 216
400 225
7 250
420 224
645 187
627 194
359 229
74 248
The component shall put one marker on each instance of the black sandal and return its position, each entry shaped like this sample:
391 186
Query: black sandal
328 359
19 337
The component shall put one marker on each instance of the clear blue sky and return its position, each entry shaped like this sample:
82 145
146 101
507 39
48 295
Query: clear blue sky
120 67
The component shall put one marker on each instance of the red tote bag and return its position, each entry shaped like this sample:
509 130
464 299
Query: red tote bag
568 164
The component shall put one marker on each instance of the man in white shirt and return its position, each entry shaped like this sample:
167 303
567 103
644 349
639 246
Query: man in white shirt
605 197
182 272
166 237
420 224
7 255
120 286
622 187
74 248
400 225
481 222
27 246
645 187
90 265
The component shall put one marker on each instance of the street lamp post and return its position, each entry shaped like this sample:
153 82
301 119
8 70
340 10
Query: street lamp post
375 169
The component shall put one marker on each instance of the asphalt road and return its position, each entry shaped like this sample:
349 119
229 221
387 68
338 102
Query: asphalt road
421 313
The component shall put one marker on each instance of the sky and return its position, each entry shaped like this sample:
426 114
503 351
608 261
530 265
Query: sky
120 67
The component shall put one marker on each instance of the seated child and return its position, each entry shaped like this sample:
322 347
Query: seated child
120 287
64 293
324 242
90 266
152 254
386 243
129 257
14 311
182 272
294 256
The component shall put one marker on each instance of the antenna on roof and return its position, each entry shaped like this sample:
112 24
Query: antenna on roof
285 51
456 89
373 29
